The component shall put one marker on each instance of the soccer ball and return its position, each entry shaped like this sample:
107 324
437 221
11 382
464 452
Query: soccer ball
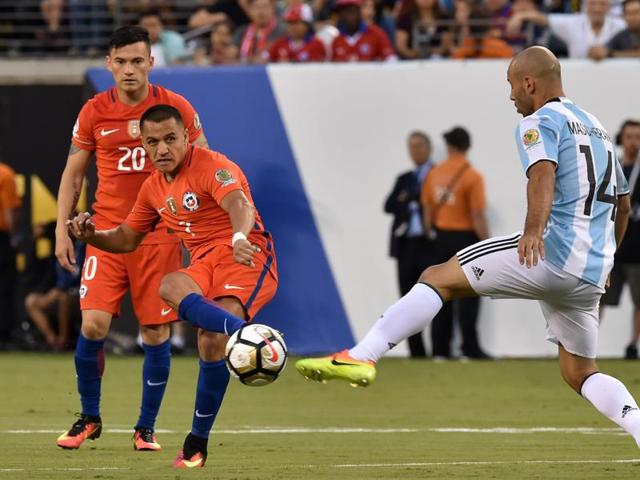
256 354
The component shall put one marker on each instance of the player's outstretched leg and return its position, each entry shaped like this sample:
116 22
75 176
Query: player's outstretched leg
155 375
183 292
607 394
409 315
89 362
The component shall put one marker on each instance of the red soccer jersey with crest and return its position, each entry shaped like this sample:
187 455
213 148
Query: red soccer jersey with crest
190 204
286 50
369 44
111 129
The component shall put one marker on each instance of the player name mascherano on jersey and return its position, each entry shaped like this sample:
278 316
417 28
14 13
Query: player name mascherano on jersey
580 233
579 128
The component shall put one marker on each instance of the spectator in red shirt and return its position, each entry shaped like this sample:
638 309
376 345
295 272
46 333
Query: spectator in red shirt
255 39
300 44
358 42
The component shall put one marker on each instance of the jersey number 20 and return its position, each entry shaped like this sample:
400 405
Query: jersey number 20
137 157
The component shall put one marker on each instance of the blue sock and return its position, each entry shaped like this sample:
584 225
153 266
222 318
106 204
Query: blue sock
207 315
89 358
155 373
212 385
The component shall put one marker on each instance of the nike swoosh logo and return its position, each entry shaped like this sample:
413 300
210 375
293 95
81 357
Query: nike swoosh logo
160 210
232 287
202 415
274 353
104 132
155 384
165 311
336 362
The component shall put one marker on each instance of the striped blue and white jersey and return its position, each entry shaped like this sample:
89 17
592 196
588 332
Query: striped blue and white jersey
580 233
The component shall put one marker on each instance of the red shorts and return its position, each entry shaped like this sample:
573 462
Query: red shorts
106 277
219 275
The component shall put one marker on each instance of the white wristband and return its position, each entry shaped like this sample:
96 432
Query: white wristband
237 236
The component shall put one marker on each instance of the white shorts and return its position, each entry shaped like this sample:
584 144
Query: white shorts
569 305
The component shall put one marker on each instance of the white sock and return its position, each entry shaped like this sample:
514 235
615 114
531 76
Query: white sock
612 399
411 314
177 341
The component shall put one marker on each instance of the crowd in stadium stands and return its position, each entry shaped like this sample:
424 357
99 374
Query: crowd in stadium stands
216 32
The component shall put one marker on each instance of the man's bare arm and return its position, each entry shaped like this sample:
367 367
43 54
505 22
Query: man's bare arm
622 217
540 189
480 224
202 141
121 239
243 217
68 196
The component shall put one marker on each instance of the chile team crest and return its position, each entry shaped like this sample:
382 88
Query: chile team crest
171 203
190 201
133 128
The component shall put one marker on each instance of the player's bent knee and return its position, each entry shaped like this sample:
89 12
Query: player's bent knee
31 301
233 306
95 324
155 334
211 345
430 275
175 286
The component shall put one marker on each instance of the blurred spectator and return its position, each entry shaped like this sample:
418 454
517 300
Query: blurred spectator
222 50
51 36
530 33
214 11
563 6
256 38
453 202
477 37
167 47
580 31
358 42
409 243
300 45
626 268
499 12
378 12
88 22
626 43
9 203
57 302
420 31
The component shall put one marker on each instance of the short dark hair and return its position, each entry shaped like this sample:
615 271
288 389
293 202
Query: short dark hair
128 36
422 135
627 2
160 113
459 138
630 122
151 12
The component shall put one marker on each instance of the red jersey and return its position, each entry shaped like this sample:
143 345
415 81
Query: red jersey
190 204
286 50
111 129
370 43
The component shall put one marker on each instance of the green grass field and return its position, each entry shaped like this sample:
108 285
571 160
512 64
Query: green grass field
294 429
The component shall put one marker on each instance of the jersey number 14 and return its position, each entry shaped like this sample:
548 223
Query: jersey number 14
602 195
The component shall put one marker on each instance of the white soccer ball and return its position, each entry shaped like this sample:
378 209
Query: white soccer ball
256 354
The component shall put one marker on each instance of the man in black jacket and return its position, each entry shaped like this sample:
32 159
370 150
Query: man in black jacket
409 244
626 268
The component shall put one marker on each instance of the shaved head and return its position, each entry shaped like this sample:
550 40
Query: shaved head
535 77
537 62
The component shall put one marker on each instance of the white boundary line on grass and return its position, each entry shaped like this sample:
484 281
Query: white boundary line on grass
61 469
477 463
288 430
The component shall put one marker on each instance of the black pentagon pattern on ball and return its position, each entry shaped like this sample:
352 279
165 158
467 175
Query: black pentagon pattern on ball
259 372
